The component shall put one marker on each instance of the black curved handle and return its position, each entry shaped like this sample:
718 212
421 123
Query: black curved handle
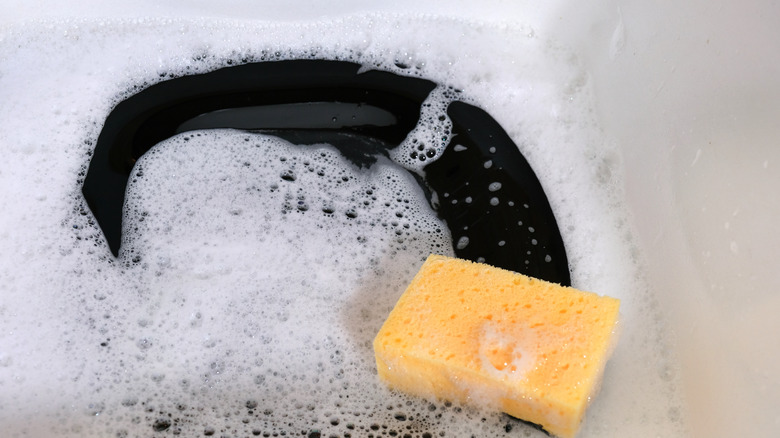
500 208
162 110
494 199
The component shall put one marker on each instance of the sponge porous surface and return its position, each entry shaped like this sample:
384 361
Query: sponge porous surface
473 333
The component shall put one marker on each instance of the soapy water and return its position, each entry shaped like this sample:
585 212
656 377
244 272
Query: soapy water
257 272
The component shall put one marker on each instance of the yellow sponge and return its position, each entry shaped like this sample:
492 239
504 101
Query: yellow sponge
473 333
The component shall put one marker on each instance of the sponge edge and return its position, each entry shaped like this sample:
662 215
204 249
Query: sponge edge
469 332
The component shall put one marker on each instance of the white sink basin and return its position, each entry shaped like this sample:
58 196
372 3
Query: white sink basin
689 95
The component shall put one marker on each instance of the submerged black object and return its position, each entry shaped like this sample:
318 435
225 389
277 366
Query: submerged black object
481 185
494 199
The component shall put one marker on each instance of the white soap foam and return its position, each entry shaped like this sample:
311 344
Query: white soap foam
502 356
431 135
239 306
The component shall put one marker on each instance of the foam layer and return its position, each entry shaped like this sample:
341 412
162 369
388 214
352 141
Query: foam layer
251 286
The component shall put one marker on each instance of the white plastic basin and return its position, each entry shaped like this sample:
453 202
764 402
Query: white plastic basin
689 92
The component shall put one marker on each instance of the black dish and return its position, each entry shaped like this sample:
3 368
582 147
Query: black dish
298 100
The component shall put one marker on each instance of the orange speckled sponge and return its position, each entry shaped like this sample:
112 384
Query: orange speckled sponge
473 333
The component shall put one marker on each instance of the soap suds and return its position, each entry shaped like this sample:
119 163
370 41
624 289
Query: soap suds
251 286
507 356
